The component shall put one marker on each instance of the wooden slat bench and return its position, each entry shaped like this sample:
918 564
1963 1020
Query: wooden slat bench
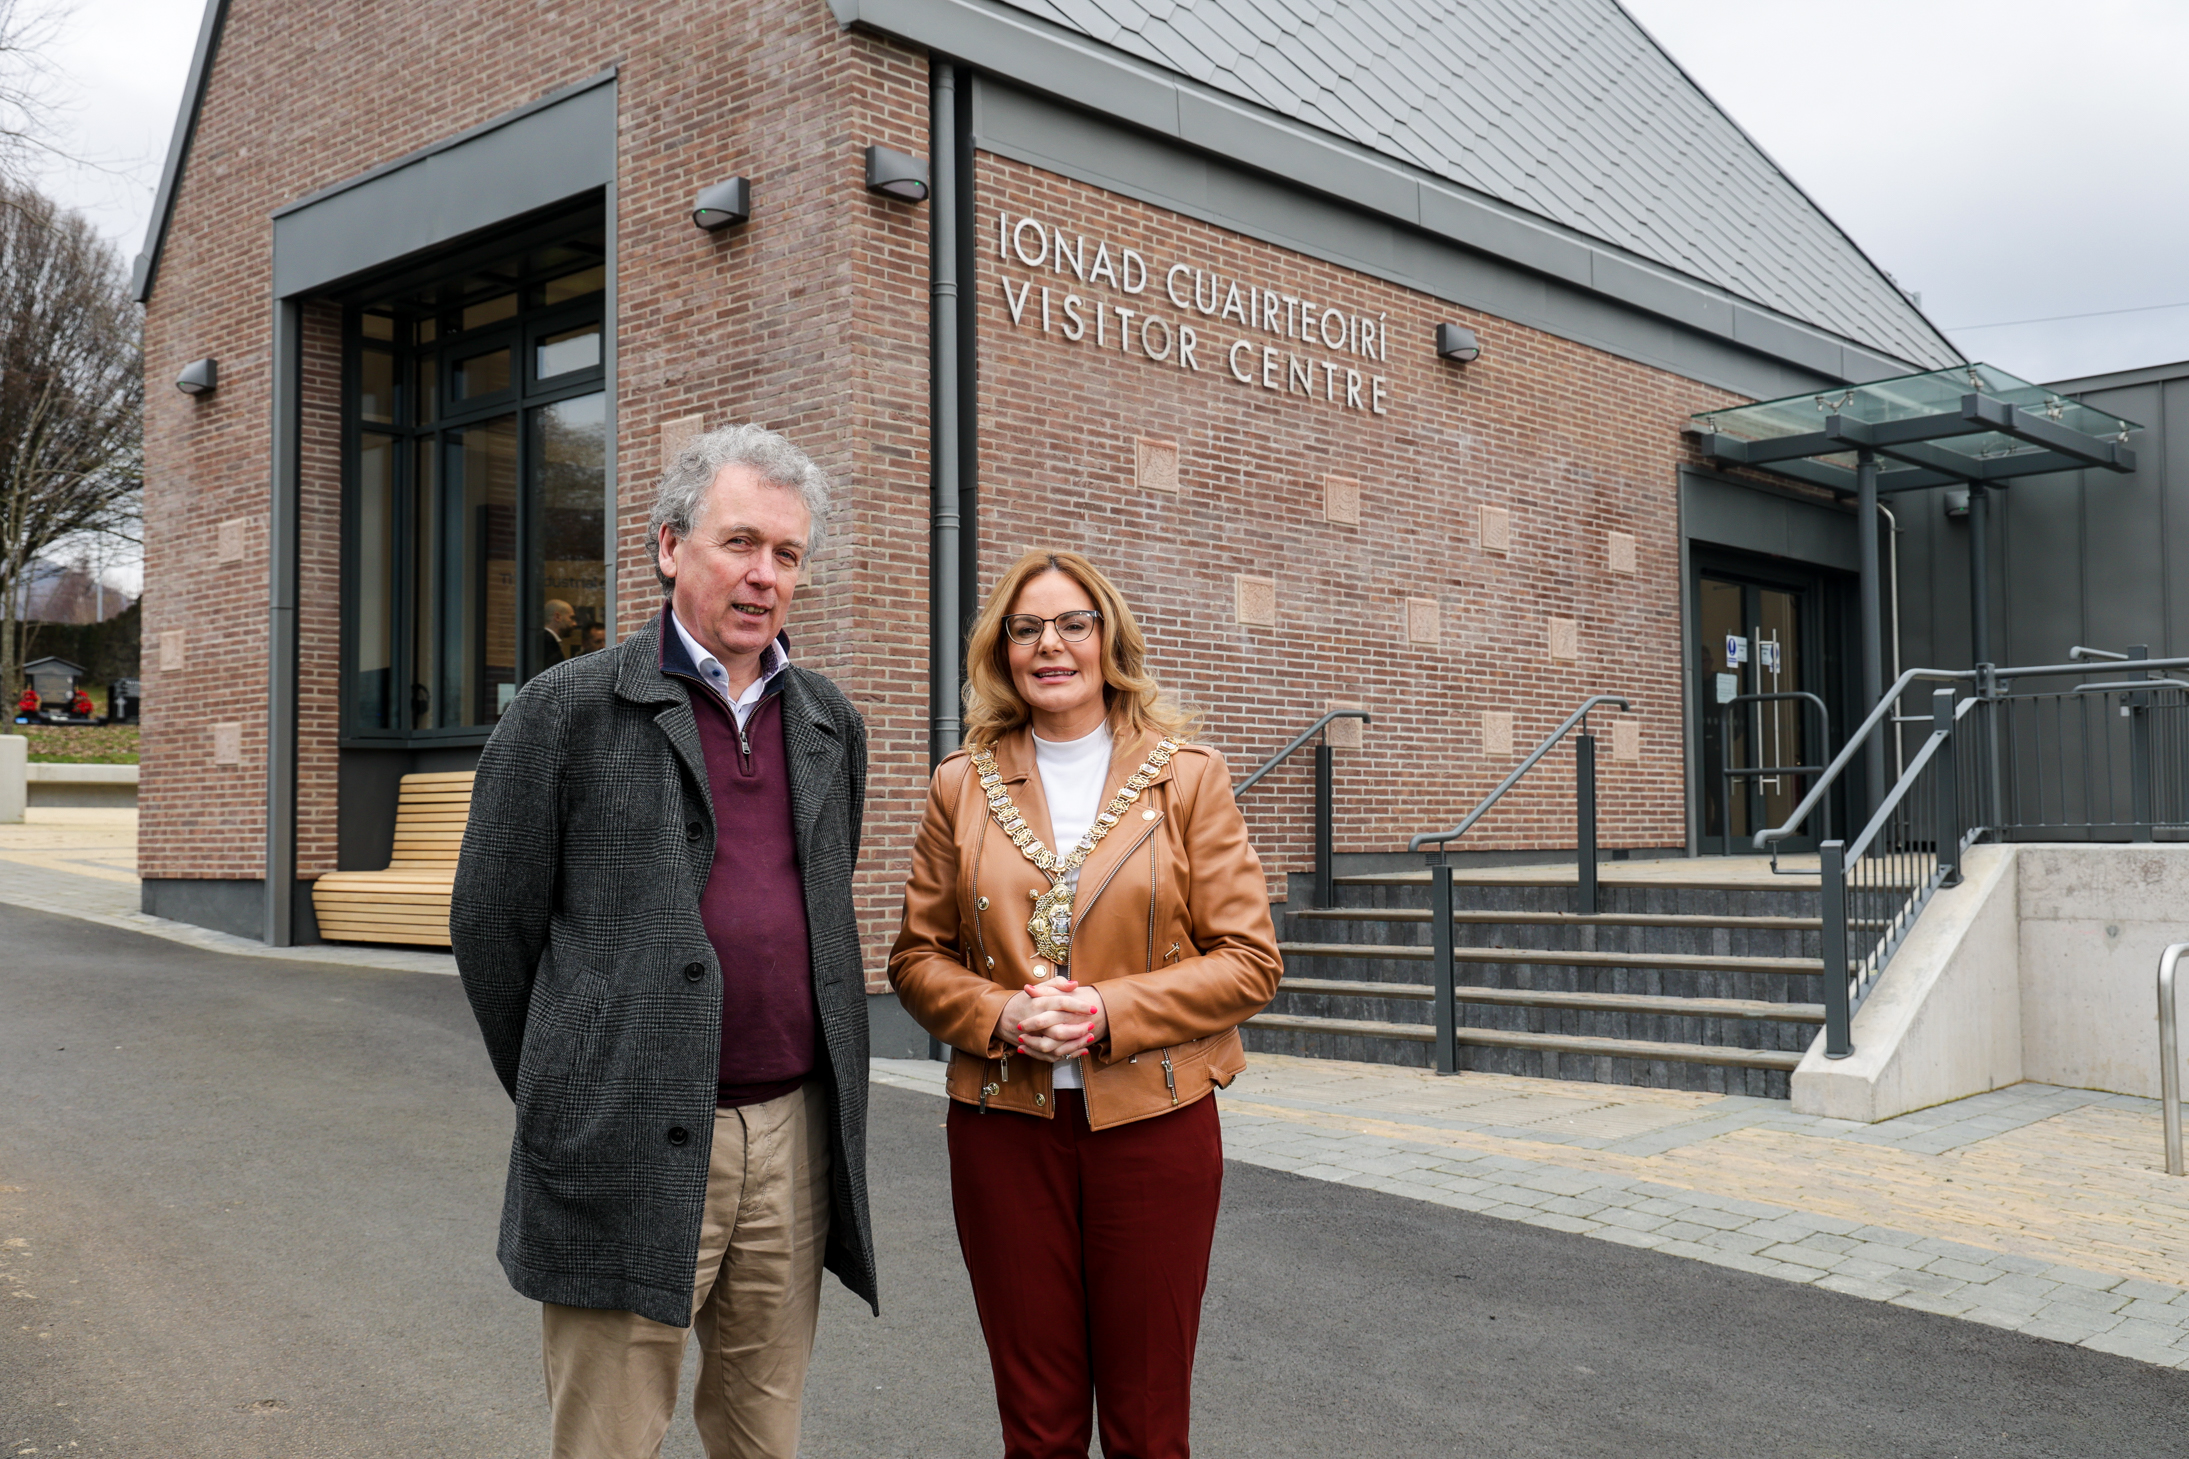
408 902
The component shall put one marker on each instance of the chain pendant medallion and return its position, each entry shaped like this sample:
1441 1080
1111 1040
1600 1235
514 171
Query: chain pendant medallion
1051 924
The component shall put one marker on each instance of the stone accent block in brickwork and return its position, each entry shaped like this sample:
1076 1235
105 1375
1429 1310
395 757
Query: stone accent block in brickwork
677 434
1155 466
1565 639
1497 734
1342 500
1254 600
1424 621
1343 734
1626 739
1620 553
1497 529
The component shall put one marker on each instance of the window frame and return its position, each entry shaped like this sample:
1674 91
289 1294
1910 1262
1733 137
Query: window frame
526 397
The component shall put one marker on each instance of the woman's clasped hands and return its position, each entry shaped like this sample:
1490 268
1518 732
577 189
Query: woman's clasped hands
1054 1021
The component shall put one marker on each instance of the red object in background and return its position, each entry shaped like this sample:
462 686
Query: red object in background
28 704
80 705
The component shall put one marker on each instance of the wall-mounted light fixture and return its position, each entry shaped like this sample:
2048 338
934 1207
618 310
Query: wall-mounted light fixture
1455 343
1957 502
896 174
199 377
723 204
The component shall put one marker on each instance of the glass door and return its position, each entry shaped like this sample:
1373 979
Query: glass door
1754 642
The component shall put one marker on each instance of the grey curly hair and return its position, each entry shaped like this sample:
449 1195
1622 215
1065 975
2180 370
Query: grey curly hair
772 457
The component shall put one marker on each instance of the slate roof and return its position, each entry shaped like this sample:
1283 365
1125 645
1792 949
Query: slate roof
1565 108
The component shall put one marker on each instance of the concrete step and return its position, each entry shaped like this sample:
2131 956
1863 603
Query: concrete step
1558 919
1553 998
1780 1060
1553 957
1607 877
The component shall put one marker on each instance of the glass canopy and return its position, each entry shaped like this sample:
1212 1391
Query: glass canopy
1969 423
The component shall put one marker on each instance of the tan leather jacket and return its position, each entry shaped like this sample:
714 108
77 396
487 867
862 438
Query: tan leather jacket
1171 920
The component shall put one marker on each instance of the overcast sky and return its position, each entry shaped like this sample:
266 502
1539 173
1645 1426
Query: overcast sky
2009 160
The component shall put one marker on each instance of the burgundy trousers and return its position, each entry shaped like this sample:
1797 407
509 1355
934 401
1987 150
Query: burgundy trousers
1089 1253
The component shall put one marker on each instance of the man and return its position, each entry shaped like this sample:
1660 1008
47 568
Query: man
653 920
561 618
596 638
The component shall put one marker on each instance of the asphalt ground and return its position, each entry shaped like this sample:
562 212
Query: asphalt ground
248 1208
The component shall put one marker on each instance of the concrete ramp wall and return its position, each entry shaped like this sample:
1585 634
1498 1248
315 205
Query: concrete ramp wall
2040 965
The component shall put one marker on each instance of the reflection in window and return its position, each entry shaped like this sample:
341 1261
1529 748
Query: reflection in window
477 489
575 286
490 311
486 374
478 604
570 440
573 349
372 653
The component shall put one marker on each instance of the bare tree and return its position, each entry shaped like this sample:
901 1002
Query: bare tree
28 83
71 398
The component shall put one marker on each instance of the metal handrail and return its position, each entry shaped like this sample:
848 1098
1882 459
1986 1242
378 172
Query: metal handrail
1770 836
2170 1055
1757 772
1893 797
1889 702
1325 796
1298 740
1441 839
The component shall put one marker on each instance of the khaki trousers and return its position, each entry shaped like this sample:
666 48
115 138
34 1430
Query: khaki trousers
612 1376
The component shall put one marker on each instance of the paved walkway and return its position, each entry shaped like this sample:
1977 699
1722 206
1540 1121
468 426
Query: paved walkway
83 863
2032 1208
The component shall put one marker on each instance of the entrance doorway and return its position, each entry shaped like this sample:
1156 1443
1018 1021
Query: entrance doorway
1762 629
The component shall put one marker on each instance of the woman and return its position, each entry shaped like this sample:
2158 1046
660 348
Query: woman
1085 926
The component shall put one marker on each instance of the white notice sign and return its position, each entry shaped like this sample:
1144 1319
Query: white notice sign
1736 650
1728 686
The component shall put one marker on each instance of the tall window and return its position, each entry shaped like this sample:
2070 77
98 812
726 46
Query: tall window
477 431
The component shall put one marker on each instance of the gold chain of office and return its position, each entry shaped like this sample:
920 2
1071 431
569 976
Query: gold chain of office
1051 924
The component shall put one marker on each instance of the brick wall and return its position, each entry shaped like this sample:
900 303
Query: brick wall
810 319
1296 551
1263 611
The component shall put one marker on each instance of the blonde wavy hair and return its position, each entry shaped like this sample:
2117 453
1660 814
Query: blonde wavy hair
1137 704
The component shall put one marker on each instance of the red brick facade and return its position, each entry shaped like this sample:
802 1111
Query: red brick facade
812 319
1573 444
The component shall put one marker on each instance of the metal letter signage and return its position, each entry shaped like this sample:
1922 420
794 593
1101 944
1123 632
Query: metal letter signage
1034 245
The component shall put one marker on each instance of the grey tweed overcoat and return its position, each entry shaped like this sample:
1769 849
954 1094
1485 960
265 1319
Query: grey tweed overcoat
576 927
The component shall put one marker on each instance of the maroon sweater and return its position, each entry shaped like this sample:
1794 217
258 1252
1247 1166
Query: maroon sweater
754 906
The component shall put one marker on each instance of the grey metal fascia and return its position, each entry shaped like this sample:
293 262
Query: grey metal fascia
1039 131
520 162
2122 379
1041 57
178 148
456 139
1326 165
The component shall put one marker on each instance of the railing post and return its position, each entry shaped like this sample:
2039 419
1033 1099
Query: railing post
2170 1055
1325 892
1949 789
1987 688
1838 1036
2139 755
1440 938
1584 799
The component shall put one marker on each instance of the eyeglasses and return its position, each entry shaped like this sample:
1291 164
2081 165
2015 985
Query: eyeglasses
1072 627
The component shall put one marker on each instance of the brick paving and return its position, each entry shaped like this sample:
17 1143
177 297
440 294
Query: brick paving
2032 1208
